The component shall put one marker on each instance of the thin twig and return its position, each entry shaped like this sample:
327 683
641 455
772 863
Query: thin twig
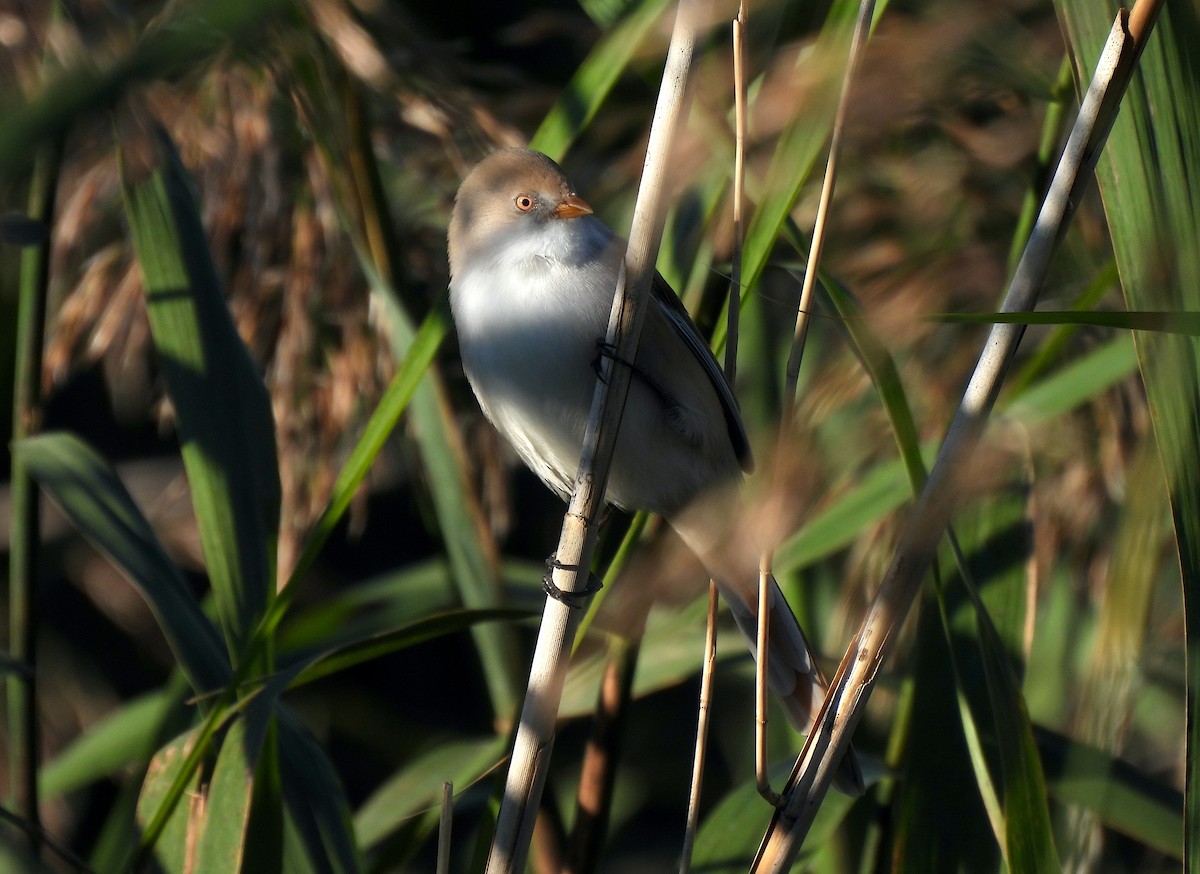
25 521
862 28
733 320
535 734
706 676
858 41
762 777
444 826
859 669
25 533
733 317
735 296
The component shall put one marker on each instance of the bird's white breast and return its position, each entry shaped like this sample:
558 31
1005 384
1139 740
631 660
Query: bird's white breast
528 323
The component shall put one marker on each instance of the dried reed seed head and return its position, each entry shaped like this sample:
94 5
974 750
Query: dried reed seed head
294 289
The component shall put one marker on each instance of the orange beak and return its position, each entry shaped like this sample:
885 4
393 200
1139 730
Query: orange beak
572 206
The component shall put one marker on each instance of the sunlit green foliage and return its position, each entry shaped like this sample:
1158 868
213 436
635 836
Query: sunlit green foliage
324 611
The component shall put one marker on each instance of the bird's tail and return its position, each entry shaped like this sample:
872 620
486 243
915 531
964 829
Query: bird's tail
792 670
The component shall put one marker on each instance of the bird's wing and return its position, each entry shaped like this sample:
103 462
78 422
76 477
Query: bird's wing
677 316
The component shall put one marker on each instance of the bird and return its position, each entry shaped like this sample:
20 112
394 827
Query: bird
533 272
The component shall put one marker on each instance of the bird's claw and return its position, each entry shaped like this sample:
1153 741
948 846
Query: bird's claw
604 349
575 600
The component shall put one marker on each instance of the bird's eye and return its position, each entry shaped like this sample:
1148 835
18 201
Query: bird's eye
525 202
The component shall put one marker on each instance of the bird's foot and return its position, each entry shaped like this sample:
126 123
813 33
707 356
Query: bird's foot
604 349
575 600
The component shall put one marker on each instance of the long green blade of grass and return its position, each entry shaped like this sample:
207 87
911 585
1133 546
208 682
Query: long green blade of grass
414 789
222 408
221 845
89 492
367 217
168 767
1148 178
315 800
1123 798
373 605
227 435
372 646
993 692
594 79
121 740
1168 322
117 740
1020 816
423 346
473 557
24 522
884 375
1074 383
936 784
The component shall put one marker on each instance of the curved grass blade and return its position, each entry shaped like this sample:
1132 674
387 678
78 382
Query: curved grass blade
936 784
224 824
1019 815
595 78
472 554
89 492
222 409
983 650
1163 321
884 376
120 739
1075 383
373 646
177 835
1120 795
365 211
422 349
316 805
417 788
374 605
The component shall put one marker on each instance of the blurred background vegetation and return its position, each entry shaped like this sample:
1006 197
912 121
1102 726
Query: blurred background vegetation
318 149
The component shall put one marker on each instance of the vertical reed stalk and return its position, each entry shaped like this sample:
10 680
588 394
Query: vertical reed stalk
26 502
535 733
